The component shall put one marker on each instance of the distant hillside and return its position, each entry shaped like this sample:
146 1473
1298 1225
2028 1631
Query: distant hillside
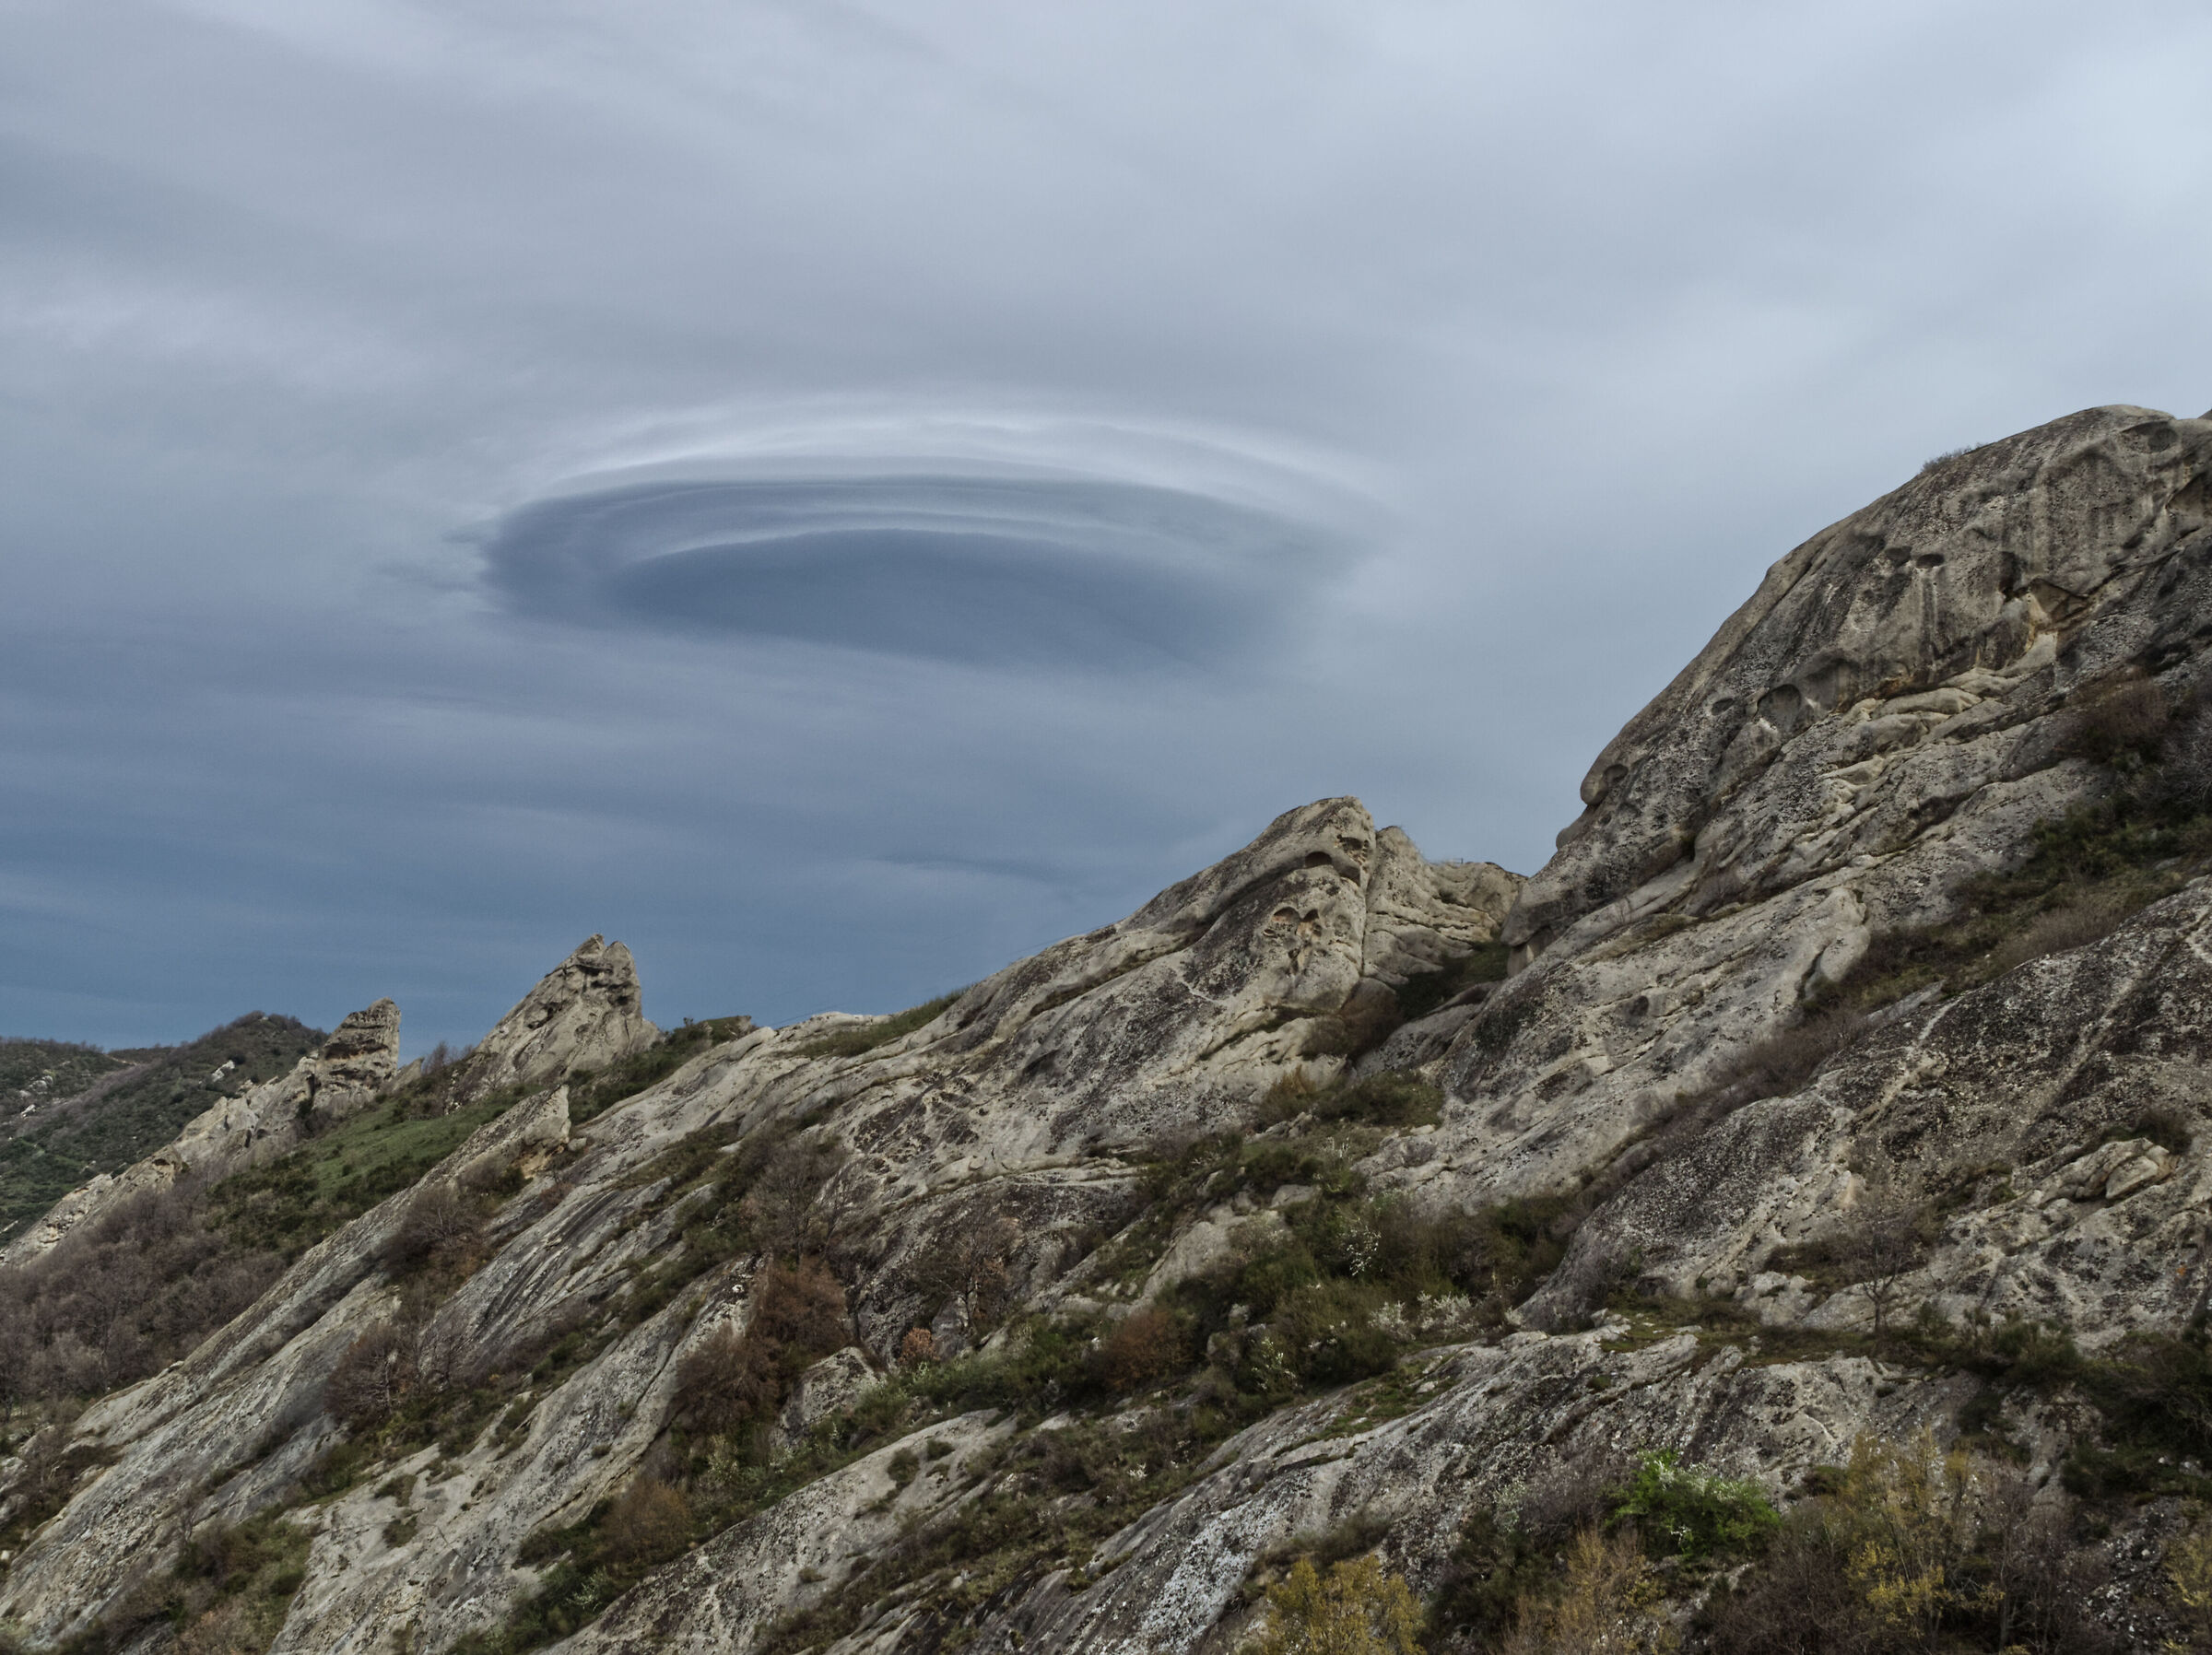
106 1112
42 1071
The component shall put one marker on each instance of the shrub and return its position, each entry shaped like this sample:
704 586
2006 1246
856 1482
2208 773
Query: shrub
1148 1344
730 1379
443 1230
1608 1600
919 1345
801 1308
376 1373
646 1526
1367 1019
1330 1329
1424 992
1356 1609
1697 1514
2189 1573
2121 722
723 1382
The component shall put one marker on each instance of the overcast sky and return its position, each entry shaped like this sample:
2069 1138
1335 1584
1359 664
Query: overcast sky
839 495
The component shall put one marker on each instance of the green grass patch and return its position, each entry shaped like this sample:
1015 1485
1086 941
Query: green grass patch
594 1092
295 1201
859 1038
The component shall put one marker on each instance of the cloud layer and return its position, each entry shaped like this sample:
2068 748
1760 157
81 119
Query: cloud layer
840 495
1026 573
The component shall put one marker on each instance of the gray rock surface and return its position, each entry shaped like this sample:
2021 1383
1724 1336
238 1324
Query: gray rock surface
586 1014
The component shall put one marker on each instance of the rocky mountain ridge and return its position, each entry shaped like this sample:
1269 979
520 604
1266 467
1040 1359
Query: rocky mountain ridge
1849 1083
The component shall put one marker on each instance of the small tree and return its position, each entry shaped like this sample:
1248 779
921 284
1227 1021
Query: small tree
1356 1610
1881 1248
1906 1511
974 1266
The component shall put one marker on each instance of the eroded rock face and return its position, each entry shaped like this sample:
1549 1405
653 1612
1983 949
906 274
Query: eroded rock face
586 1013
2012 1105
1949 600
1169 1023
1880 725
352 1067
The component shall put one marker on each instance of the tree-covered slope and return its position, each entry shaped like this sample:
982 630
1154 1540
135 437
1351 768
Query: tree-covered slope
141 1106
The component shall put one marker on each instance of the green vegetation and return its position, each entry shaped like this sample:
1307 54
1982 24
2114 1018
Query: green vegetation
43 1159
1047 1501
593 1092
1695 1514
1423 993
858 1038
226 1595
42 1071
1394 1098
1356 1610
292 1203
295 1201
1907 1548
1565 1565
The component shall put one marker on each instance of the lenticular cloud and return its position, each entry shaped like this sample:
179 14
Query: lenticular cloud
1086 574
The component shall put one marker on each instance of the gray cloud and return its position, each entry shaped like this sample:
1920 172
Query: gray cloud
1072 574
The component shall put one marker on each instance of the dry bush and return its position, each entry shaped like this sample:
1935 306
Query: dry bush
648 1523
1573 1497
1147 1345
443 1230
723 1381
2122 721
2055 930
800 1307
1781 1066
1609 1601
117 1299
974 1267
782 1209
731 1379
1291 1095
919 1345
1367 1019
376 1373
1906 1551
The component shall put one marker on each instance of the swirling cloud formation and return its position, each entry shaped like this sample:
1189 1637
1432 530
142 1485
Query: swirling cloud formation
1083 573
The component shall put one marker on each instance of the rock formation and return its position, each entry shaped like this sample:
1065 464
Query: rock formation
586 1013
1870 987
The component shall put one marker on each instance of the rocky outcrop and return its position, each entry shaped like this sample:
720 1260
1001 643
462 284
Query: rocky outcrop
1170 1023
1955 608
351 1069
586 1013
1879 725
